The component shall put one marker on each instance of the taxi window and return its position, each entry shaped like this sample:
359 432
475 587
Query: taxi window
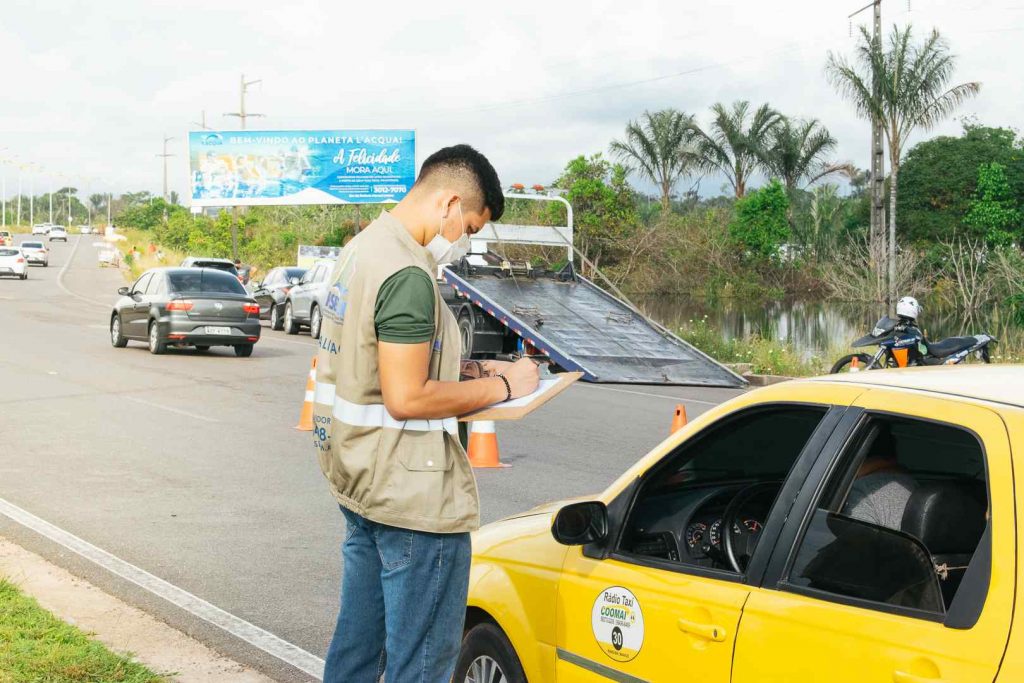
679 513
899 521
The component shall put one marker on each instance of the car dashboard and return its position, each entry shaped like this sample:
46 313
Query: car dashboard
686 525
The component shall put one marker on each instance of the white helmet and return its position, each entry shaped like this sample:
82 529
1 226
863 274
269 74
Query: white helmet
907 307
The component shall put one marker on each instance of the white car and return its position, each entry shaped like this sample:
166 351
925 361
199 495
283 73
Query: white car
40 229
12 262
58 233
85 229
36 253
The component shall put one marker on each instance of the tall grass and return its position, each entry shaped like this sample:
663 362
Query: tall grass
765 355
36 646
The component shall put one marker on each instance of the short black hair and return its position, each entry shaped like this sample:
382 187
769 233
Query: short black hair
464 160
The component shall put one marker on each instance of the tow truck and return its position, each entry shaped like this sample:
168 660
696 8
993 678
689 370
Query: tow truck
507 308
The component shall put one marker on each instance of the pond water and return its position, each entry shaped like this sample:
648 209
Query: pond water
823 328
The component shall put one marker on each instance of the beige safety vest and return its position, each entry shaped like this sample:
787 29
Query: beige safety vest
412 474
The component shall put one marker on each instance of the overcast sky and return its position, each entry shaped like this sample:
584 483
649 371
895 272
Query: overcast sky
90 88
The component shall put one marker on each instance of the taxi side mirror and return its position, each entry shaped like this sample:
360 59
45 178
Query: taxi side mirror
581 523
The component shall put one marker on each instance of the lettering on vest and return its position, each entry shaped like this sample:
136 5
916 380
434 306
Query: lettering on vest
337 296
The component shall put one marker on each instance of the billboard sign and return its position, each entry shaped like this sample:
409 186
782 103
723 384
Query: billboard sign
309 254
289 167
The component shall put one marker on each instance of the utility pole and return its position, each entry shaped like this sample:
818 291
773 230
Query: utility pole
202 121
881 249
242 116
50 197
4 204
241 113
164 156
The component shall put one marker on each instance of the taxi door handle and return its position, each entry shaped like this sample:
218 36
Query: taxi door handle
903 677
706 631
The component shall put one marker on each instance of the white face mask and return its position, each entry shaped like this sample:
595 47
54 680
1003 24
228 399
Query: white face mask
443 250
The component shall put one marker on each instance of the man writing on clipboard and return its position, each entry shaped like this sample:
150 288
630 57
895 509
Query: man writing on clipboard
387 397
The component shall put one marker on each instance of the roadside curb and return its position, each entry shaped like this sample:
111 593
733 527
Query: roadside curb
119 626
765 380
746 371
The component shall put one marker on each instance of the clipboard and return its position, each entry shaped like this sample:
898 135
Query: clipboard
518 408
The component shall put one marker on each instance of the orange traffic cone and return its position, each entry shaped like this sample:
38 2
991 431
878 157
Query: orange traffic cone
678 419
483 446
306 416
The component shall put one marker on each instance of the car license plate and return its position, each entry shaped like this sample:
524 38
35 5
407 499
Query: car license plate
218 330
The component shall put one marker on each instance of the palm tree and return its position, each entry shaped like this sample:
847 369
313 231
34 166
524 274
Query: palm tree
796 151
733 144
96 201
904 87
824 215
659 146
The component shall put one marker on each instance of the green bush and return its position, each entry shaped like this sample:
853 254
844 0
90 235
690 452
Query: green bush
761 224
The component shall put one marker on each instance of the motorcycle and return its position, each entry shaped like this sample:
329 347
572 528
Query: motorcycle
902 344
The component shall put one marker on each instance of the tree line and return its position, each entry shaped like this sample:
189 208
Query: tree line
805 230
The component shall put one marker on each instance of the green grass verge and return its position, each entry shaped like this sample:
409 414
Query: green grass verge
36 647
765 355
141 239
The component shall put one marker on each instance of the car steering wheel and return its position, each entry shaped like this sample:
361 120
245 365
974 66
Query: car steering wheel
739 545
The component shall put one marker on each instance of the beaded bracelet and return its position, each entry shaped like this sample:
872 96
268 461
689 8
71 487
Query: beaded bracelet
508 387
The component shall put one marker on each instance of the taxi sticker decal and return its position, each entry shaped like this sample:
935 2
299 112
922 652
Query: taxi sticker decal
618 623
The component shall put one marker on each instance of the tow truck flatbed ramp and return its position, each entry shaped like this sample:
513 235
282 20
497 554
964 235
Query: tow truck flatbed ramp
582 327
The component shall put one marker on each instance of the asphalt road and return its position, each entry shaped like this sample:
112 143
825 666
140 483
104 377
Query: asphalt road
188 466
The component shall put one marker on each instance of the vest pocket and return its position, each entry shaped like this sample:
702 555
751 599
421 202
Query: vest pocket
424 452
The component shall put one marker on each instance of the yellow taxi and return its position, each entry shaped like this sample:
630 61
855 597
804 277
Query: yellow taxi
841 529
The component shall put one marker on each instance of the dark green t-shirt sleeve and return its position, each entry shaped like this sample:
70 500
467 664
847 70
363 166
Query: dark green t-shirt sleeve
404 313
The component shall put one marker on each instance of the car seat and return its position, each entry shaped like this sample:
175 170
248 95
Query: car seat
948 517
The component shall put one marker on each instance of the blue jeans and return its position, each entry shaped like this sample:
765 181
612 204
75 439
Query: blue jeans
403 605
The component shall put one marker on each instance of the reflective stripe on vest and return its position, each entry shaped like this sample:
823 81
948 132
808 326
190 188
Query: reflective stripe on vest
324 393
376 415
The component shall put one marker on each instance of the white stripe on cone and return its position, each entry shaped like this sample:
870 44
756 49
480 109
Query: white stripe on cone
483 427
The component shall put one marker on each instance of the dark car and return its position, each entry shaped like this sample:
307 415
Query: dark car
227 265
273 291
200 307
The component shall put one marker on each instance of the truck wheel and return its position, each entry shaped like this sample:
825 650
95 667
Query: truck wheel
466 334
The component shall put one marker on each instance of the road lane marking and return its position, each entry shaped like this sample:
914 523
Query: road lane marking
169 409
677 399
241 629
273 340
60 278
